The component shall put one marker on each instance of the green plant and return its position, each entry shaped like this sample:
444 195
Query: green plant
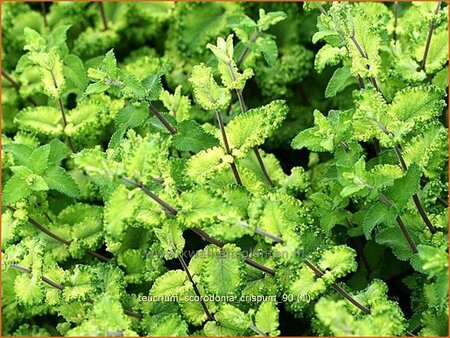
140 196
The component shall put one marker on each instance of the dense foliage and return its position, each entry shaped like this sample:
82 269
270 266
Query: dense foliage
224 169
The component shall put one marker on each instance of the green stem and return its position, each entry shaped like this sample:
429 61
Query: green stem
44 13
335 286
63 114
166 206
442 201
359 246
416 199
405 232
62 287
69 140
400 223
220 244
47 216
395 20
238 91
361 51
16 86
103 15
401 160
172 211
322 10
360 79
227 147
13 82
196 290
49 233
345 146
358 47
45 279
39 226
338 288
243 110
246 49
162 119
262 233
429 36
263 167
257 331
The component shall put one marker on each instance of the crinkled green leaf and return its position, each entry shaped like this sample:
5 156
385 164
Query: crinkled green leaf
42 120
266 319
223 270
171 238
207 92
252 128
269 19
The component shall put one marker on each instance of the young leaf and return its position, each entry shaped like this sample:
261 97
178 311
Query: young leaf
120 206
15 189
376 214
38 160
269 19
269 48
326 133
52 73
131 116
20 152
337 262
328 56
58 179
393 238
207 93
178 105
192 137
230 322
305 285
153 87
171 238
341 79
58 152
223 50
75 74
29 290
